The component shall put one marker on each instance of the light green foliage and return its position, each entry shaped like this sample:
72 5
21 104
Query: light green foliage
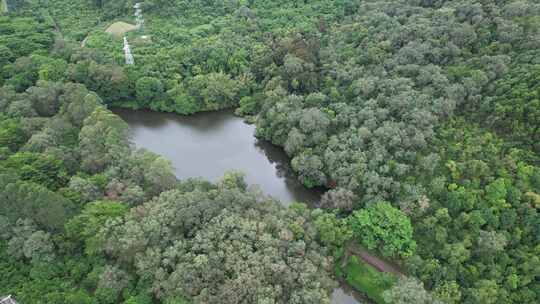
233 180
383 227
332 231
514 110
38 168
448 293
366 279
88 223
22 36
408 291
102 140
484 218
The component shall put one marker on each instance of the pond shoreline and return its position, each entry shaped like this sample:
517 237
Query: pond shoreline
205 143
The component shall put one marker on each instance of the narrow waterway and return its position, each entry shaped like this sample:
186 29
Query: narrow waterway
209 144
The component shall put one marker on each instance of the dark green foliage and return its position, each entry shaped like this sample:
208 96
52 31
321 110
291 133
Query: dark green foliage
226 245
21 36
38 168
149 90
483 219
429 105
515 109
19 199
12 136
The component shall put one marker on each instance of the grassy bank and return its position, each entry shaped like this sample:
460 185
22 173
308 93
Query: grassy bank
366 279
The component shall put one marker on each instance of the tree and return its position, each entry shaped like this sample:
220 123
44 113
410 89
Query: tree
295 142
339 198
210 246
12 135
409 291
149 89
39 247
86 189
214 91
448 292
102 140
383 227
112 282
19 199
332 231
44 98
485 292
310 169
28 242
86 226
78 103
491 242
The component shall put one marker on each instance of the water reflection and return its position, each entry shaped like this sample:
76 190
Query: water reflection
208 144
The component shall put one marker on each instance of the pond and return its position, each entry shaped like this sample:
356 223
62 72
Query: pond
209 144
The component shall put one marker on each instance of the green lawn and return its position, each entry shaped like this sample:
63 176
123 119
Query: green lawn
366 279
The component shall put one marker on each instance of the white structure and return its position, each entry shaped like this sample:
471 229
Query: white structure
129 57
140 22
7 300
138 15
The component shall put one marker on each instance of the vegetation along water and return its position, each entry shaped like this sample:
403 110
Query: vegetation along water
396 151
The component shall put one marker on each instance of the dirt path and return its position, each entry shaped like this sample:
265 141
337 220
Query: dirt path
379 264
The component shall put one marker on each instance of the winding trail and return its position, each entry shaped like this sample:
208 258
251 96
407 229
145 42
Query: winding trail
378 263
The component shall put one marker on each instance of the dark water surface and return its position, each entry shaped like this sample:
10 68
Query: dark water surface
209 144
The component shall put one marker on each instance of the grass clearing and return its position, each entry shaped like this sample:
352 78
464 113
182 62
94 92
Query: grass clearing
120 28
366 279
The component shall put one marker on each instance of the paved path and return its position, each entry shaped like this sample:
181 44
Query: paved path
379 264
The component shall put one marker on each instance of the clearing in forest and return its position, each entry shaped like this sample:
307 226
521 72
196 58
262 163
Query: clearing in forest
119 29
379 264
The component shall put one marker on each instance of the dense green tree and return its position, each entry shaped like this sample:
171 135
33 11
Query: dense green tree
12 136
20 200
102 140
228 218
429 105
38 168
149 89
332 230
381 226
88 223
409 291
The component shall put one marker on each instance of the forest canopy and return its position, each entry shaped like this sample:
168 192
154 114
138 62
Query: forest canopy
420 118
